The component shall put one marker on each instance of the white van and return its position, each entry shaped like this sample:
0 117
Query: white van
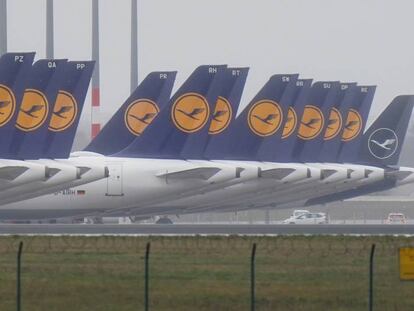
308 219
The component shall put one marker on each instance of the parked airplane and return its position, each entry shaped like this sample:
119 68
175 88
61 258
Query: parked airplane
182 155
243 142
267 150
67 93
382 173
14 68
158 178
389 130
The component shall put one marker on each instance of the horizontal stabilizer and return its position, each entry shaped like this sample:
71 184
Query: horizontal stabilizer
276 173
368 172
12 172
82 170
399 175
325 173
193 173
50 172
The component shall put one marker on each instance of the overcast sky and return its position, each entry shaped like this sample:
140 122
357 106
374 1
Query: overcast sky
368 41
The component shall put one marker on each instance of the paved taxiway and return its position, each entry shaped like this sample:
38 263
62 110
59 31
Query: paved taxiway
134 229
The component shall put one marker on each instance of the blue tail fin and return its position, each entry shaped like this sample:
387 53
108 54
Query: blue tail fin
36 109
261 118
14 67
229 99
336 121
135 115
183 124
67 109
312 122
287 143
382 142
354 124
325 104
224 111
271 146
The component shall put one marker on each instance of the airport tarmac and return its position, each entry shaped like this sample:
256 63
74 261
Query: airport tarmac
198 229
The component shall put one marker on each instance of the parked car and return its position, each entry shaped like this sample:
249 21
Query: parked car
307 219
164 221
396 218
298 212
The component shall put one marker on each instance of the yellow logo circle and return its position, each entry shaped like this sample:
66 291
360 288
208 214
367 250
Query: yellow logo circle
353 125
190 112
290 123
334 124
33 111
311 123
265 117
7 104
221 117
64 112
139 115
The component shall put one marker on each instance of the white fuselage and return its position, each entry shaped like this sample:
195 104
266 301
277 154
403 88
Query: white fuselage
131 183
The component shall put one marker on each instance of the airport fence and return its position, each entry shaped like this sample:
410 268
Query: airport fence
203 273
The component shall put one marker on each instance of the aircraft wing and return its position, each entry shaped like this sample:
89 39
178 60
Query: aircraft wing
402 175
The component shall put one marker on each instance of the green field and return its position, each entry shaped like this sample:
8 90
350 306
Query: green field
203 273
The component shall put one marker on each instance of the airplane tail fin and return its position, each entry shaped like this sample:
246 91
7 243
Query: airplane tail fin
311 123
271 145
224 112
136 114
14 67
227 103
67 109
316 118
184 122
261 118
291 124
354 123
36 108
336 118
382 142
